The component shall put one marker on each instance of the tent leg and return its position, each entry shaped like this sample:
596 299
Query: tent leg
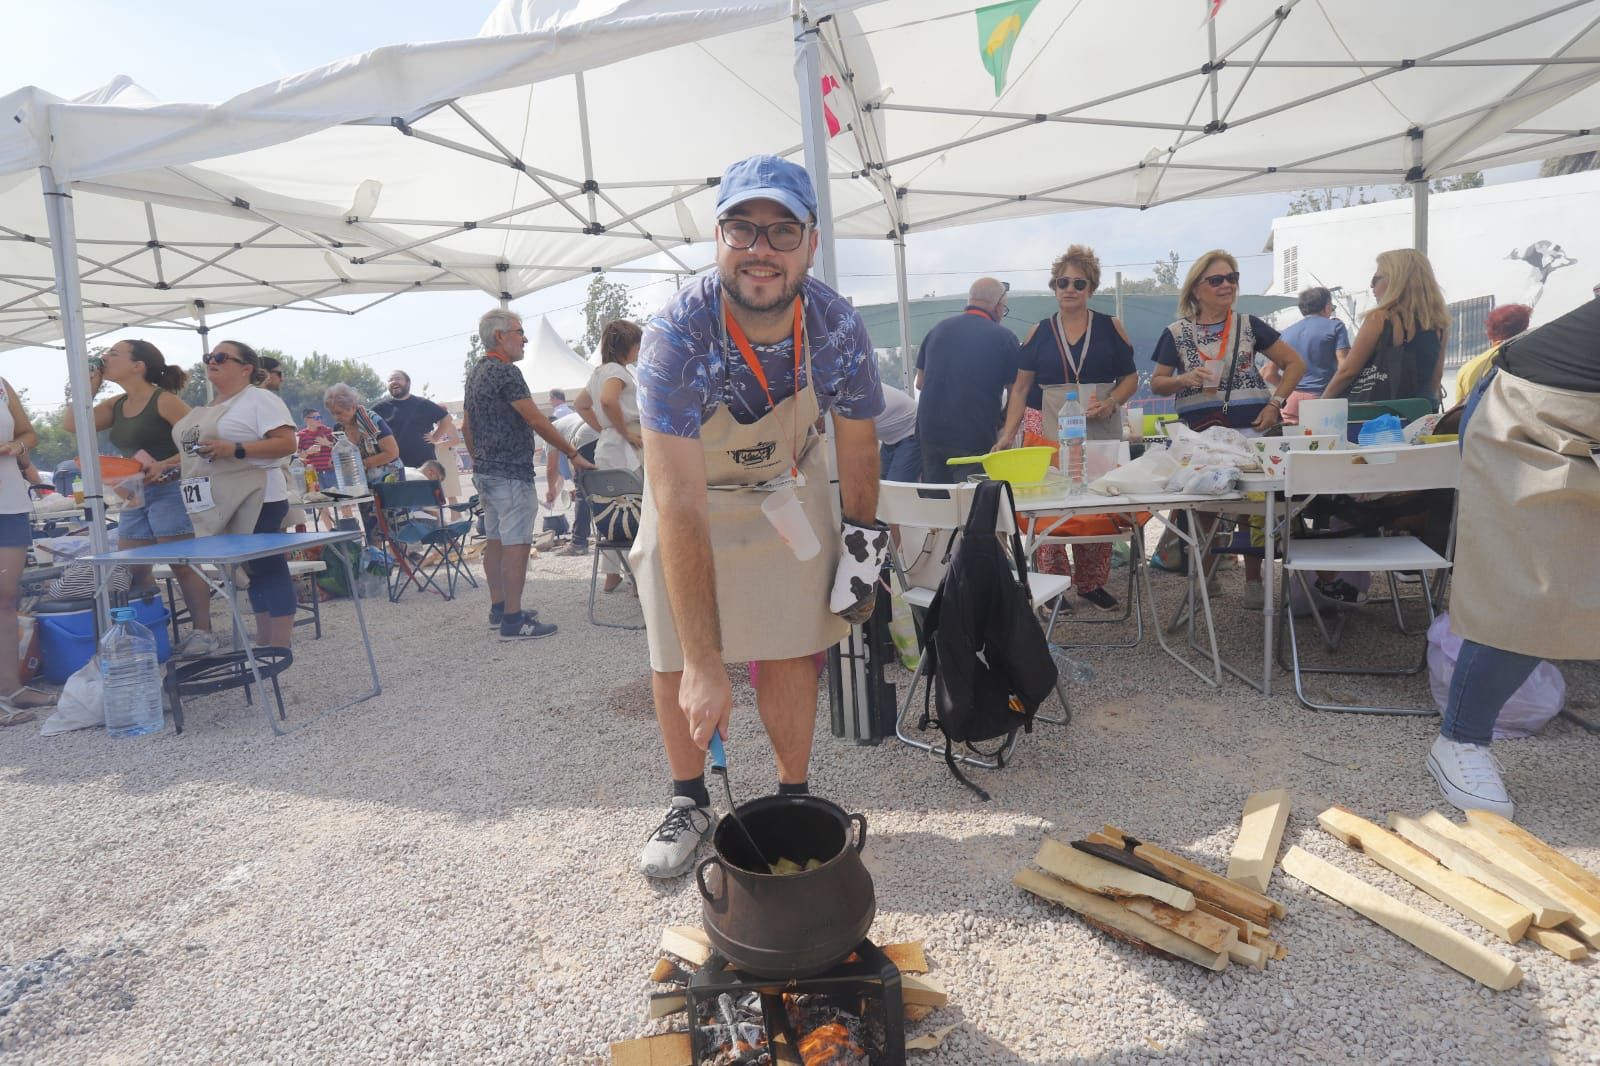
205 342
908 359
808 78
1419 196
69 298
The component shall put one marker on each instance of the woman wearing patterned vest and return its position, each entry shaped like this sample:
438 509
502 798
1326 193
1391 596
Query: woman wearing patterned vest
1207 360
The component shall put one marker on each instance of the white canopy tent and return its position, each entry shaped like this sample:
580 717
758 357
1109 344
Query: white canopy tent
550 363
576 135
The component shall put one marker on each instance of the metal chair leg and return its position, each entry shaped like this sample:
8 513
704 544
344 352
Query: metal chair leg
938 749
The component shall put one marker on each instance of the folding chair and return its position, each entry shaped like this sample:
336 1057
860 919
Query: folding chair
419 547
599 486
1102 529
1351 471
930 519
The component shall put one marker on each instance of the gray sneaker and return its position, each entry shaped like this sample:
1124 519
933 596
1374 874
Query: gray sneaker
197 645
670 850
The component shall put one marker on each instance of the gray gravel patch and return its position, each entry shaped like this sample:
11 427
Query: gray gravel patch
446 873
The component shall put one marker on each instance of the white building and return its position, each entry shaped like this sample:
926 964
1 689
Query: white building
1533 242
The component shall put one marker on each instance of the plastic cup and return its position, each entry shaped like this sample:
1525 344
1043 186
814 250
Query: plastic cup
788 517
1100 457
1135 417
77 495
1213 373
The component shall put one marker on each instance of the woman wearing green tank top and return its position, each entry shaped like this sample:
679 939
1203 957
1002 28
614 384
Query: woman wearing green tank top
141 421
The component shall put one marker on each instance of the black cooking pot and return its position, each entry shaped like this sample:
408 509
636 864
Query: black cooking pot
787 925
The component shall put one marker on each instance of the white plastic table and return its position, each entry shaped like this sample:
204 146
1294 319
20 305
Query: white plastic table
230 550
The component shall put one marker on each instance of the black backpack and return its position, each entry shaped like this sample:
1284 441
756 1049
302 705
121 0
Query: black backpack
987 655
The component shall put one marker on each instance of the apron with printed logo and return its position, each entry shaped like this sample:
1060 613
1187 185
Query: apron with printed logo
771 605
224 494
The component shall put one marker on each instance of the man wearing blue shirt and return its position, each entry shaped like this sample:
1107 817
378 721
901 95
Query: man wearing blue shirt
738 556
964 367
1321 341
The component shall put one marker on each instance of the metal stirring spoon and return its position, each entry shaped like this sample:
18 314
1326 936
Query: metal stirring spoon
719 767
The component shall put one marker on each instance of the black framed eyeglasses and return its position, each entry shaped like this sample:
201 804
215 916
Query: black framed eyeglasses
1062 284
217 359
741 235
1216 281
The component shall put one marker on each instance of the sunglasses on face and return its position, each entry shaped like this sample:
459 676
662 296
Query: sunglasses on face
741 235
217 359
1216 281
1063 284
1375 279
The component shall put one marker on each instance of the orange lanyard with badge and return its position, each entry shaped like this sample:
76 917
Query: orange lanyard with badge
750 360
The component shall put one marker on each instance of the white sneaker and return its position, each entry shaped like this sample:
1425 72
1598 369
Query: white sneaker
670 851
1469 776
197 645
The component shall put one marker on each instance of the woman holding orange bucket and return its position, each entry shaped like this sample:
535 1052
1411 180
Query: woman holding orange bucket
141 421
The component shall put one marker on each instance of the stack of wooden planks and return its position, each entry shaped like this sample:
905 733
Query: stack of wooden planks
1490 870
1148 896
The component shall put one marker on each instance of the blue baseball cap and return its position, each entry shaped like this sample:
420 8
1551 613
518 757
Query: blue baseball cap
767 177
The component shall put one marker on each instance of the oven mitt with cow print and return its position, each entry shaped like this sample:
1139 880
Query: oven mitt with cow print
862 551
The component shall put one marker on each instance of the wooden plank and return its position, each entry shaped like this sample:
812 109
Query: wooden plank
1580 889
1274 950
922 991
1547 913
668 972
686 942
1210 933
1501 851
1260 834
1568 947
1244 925
665 1003
1502 916
668 1049
1443 943
1113 914
1206 885
1106 878
1248 955
908 957
915 1012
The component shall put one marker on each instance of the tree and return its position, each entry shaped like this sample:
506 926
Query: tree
474 353
1472 179
1569 164
1328 198
304 380
605 302
1166 279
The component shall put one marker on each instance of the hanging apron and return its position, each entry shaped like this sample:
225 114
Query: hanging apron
1525 578
225 494
771 605
1106 427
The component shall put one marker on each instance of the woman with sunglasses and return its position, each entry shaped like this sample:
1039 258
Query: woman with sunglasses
1399 351
1207 360
1074 349
140 422
233 482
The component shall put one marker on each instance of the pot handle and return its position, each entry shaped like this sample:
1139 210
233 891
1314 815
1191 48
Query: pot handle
700 876
861 830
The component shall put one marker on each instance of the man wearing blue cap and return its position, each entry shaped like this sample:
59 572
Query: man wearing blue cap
738 557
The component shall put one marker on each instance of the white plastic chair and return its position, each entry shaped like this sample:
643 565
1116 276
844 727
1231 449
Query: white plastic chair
1353 471
929 520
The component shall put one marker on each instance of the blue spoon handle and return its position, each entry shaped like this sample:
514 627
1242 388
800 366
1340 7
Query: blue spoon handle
719 756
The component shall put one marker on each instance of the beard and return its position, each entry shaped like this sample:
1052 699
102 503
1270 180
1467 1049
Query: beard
731 284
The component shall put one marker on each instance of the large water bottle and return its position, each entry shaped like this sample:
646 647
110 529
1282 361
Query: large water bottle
297 477
130 677
348 472
1072 432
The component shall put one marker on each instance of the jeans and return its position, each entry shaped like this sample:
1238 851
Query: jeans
900 461
1485 678
271 587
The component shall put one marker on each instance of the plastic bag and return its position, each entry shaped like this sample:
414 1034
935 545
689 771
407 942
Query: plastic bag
1148 473
1209 462
129 490
1529 709
82 704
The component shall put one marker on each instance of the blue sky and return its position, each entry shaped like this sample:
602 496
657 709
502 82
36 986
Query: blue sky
185 50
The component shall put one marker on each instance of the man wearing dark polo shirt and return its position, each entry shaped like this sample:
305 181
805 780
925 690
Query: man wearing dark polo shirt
963 368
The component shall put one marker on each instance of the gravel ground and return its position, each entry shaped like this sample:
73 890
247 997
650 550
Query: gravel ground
446 873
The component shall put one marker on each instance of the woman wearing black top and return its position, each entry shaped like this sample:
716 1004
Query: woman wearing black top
1084 348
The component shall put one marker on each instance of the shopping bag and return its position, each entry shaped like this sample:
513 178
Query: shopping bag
1529 709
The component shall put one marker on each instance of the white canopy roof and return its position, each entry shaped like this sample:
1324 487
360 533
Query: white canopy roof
549 362
580 134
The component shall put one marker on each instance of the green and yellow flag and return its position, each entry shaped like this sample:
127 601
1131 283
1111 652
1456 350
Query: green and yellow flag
999 25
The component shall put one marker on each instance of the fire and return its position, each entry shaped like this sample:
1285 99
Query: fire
830 1045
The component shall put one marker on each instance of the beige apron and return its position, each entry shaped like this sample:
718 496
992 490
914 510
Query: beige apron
771 605
234 487
1525 574
1106 427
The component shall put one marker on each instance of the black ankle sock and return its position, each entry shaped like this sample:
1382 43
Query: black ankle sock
695 789
493 607
802 789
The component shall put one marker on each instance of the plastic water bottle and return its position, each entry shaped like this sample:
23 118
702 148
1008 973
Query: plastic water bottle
1069 669
348 473
1073 431
130 677
297 476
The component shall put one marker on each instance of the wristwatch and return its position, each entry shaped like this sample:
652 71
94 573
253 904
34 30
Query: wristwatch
238 451
1280 402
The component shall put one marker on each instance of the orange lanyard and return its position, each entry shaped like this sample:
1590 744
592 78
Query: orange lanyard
750 360
1222 342
497 355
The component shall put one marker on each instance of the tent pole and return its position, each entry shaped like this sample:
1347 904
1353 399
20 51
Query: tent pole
205 343
64 250
1419 195
908 360
1119 296
808 76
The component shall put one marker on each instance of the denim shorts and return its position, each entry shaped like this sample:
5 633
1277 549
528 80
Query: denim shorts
161 516
16 531
509 508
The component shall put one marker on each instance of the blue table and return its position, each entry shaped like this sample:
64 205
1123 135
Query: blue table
230 550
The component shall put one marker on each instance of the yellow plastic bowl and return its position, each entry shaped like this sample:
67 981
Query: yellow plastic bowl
1021 466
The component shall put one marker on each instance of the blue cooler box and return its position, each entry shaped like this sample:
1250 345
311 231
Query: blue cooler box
67 641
